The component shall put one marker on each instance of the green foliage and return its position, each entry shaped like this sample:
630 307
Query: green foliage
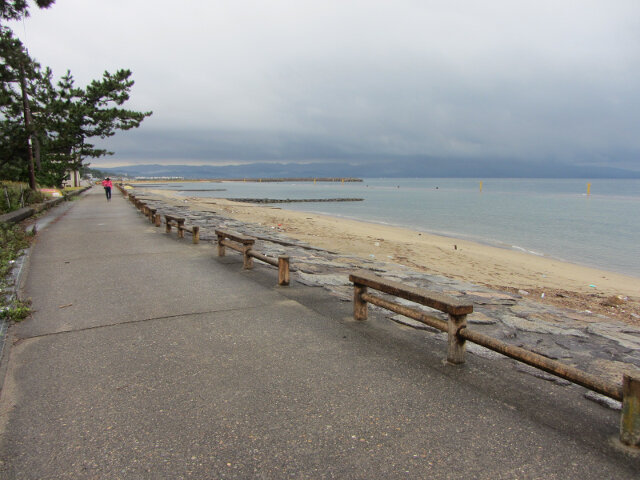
74 115
14 195
13 239
17 9
63 116
15 311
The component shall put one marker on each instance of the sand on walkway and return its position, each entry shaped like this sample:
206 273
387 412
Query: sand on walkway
561 282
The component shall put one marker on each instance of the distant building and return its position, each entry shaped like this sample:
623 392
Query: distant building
73 179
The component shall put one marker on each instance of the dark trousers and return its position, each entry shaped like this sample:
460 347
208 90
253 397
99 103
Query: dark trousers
107 190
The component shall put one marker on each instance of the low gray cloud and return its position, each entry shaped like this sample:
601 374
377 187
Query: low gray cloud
288 80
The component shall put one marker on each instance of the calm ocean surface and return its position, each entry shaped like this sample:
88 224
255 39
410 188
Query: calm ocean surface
554 218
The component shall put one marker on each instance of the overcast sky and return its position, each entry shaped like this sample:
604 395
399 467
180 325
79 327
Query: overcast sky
238 81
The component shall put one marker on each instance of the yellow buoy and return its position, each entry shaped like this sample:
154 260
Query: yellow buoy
481 186
588 189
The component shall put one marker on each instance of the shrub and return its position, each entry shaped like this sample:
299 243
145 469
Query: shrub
15 195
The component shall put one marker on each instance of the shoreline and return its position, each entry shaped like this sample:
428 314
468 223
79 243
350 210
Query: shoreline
538 277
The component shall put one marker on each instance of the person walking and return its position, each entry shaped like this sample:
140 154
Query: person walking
106 183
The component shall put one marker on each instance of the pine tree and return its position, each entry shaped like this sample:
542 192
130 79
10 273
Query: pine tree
17 9
58 120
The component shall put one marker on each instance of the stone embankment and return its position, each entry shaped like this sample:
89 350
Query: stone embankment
594 343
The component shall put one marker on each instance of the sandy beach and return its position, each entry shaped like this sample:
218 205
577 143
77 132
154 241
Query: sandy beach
543 278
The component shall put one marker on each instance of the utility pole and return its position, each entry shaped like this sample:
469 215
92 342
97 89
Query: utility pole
27 126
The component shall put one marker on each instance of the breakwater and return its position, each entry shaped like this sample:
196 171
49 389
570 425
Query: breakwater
293 200
296 179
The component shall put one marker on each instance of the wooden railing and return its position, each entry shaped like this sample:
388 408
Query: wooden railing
170 221
244 244
458 334
235 241
178 222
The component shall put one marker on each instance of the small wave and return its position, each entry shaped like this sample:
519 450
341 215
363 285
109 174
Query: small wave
532 252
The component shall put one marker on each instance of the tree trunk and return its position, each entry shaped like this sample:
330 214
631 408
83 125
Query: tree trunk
27 126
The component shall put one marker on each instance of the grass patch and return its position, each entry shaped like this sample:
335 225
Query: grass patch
15 195
17 311
13 240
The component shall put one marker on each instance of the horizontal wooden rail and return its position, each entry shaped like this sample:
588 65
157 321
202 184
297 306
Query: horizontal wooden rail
544 363
154 217
244 244
282 262
178 222
421 317
444 303
459 333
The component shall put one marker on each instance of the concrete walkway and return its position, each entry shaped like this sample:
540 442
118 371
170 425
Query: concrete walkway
148 357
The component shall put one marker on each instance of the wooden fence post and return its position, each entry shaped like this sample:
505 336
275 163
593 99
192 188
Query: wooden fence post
456 346
283 270
248 259
359 305
630 420
167 223
221 249
196 234
158 219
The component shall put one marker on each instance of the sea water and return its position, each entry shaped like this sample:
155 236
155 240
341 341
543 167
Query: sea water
547 217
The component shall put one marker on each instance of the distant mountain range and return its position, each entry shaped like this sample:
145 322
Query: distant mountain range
419 167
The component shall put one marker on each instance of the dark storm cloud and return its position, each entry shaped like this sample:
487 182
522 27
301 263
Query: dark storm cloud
528 82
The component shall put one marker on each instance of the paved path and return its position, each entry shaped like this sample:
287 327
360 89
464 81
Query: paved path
148 357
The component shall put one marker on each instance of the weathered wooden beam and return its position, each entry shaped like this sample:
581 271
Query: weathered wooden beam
221 249
232 245
444 303
360 309
417 315
263 258
544 363
456 343
283 270
630 420
282 262
247 260
236 237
